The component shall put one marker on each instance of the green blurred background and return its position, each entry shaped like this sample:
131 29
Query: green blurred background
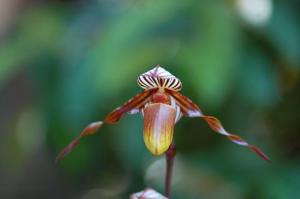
66 63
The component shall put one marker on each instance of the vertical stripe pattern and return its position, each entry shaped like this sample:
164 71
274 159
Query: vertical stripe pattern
159 78
159 121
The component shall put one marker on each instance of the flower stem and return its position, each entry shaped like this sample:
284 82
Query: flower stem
170 155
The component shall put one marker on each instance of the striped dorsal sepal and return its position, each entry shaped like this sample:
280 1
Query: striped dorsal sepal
159 78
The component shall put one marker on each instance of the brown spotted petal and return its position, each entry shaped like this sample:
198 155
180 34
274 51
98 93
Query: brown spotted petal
159 120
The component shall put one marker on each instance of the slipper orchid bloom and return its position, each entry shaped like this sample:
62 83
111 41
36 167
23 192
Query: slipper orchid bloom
162 105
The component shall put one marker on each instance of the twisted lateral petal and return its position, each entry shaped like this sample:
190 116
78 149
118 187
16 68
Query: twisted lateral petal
89 130
216 125
190 109
159 120
133 106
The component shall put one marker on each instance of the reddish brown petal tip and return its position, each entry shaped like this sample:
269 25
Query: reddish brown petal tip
92 128
260 153
67 149
89 130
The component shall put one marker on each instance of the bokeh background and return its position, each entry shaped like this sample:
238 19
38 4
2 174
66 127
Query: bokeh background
66 63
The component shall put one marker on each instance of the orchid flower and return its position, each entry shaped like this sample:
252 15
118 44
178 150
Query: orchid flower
148 193
162 106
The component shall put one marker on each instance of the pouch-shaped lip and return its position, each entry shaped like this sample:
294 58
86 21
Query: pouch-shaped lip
159 121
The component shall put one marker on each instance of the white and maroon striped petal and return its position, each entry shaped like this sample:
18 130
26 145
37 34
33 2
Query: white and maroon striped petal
159 72
159 78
